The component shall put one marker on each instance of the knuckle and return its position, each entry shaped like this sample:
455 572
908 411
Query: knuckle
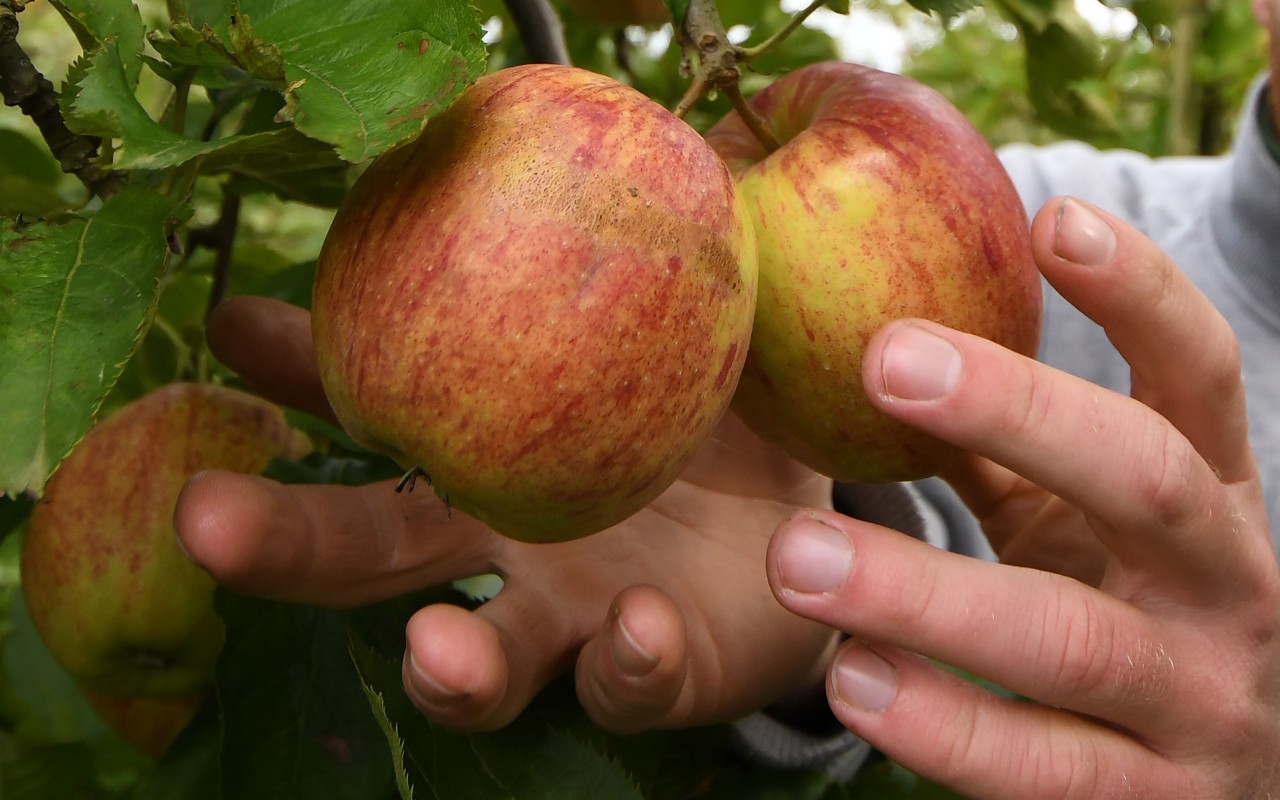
1166 492
1024 413
1098 661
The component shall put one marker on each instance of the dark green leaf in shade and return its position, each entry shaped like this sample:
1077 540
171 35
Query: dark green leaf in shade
38 699
285 163
678 9
295 721
946 9
46 770
22 157
189 769
74 300
13 514
838 6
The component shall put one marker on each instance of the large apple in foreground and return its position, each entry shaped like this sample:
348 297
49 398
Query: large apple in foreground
110 592
543 302
882 202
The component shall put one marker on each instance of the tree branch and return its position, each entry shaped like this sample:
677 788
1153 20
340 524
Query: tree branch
540 29
715 64
22 85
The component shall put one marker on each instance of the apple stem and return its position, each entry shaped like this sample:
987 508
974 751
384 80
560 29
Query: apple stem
755 123
749 54
691 96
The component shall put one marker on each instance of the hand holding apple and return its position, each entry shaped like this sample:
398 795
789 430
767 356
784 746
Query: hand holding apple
883 202
543 302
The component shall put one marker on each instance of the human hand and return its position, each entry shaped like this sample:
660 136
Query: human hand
655 616
1164 681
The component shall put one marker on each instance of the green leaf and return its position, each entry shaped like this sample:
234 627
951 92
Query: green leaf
21 156
189 769
296 723
37 696
202 47
838 6
74 299
947 9
362 75
285 163
678 9
101 102
39 771
96 21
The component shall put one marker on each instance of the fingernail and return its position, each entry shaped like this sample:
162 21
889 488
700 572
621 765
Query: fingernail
919 365
630 657
1082 236
814 558
431 690
863 680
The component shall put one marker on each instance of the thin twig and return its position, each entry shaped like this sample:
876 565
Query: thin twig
755 123
540 29
692 95
223 240
747 54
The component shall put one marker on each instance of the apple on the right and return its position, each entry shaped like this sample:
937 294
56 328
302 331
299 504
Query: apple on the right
883 202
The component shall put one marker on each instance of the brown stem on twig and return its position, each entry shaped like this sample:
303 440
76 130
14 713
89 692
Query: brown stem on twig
755 123
222 239
715 64
22 85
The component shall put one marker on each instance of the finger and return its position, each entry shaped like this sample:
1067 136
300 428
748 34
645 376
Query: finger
630 675
1037 634
478 670
1184 357
960 735
1149 495
268 344
332 546
455 669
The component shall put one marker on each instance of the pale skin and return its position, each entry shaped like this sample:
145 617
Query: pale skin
1138 601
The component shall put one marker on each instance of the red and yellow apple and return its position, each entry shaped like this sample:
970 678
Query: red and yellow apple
543 302
882 202
109 590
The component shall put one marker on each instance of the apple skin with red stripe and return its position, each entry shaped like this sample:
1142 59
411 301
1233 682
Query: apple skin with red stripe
543 302
882 202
